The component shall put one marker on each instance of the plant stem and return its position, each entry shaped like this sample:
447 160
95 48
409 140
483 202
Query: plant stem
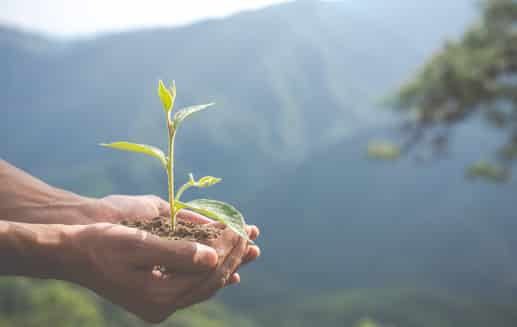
181 190
170 175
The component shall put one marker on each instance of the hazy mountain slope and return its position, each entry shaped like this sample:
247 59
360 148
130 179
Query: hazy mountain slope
392 307
287 79
343 221
297 88
31 303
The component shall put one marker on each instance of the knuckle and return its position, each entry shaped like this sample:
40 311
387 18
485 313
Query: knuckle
221 282
153 198
190 250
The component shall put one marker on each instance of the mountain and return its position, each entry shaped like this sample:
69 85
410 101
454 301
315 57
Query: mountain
32 303
287 80
391 307
298 88
345 221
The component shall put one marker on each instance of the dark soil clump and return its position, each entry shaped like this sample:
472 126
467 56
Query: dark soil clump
185 230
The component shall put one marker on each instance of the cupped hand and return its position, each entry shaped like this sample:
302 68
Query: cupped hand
119 264
115 208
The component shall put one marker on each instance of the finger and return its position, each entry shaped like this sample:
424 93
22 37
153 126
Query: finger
219 278
160 204
173 286
174 255
253 253
193 217
235 279
253 232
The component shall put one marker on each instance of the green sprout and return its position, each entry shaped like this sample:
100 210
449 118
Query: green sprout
489 171
213 209
383 150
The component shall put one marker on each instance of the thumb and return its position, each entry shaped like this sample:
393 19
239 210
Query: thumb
175 255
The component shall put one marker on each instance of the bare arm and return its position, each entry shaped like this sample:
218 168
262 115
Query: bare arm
118 263
24 198
31 250
46 232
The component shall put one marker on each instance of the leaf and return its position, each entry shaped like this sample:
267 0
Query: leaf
173 93
141 148
165 96
383 150
205 181
489 171
182 114
201 183
220 211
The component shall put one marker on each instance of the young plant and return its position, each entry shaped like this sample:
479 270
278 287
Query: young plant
217 210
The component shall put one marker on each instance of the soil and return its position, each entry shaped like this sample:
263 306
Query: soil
185 230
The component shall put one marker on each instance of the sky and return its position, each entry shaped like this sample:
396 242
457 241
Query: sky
72 18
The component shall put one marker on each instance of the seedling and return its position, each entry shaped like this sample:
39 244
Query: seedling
217 210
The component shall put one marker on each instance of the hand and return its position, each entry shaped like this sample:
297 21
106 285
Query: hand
115 208
118 263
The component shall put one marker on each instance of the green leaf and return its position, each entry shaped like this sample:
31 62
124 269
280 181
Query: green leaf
489 171
166 96
201 183
205 181
220 211
141 148
383 150
173 93
182 114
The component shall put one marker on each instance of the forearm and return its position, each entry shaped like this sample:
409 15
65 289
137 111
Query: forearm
34 250
24 198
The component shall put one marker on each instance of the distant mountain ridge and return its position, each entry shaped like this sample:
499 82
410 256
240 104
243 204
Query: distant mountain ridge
287 79
297 88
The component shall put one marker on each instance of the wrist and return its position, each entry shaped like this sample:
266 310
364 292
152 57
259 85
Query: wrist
34 250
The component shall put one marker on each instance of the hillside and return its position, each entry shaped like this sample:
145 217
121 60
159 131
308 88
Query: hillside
287 80
392 307
345 221
298 88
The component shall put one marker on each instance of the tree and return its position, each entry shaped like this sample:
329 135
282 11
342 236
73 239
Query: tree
474 76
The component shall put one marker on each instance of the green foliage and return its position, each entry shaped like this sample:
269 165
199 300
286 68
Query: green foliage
220 211
391 307
367 322
141 148
167 96
201 183
383 150
488 170
476 75
184 113
30 303
213 315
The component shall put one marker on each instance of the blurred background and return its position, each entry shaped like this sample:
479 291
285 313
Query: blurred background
312 98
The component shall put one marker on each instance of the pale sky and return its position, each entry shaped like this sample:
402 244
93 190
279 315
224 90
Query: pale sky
67 18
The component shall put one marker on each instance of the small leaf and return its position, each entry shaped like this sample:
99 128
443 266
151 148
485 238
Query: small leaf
489 171
180 115
173 93
202 183
141 148
165 96
220 211
207 181
383 150
191 179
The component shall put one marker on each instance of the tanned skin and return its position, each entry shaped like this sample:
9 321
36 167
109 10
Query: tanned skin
47 232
